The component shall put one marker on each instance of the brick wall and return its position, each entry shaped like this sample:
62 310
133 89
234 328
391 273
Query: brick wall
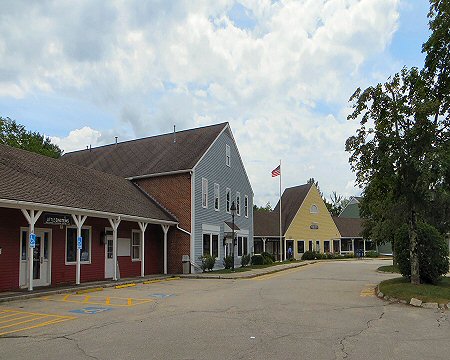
174 193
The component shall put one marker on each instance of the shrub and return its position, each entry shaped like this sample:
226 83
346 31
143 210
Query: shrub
257 260
432 251
245 260
228 262
309 255
267 255
349 255
330 255
372 254
208 262
320 256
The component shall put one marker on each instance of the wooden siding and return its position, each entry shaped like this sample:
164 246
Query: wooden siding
300 228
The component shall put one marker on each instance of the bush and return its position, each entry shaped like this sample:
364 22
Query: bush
257 260
245 260
269 256
309 255
228 262
372 254
432 251
349 255
208 262
330 256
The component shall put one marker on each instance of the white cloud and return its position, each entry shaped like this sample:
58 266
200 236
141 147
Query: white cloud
283 84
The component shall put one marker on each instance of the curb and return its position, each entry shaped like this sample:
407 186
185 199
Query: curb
244 276
412 302
82 288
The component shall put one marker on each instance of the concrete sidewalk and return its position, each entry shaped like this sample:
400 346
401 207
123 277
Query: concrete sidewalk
24 294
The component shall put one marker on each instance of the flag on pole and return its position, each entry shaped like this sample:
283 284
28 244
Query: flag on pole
276 171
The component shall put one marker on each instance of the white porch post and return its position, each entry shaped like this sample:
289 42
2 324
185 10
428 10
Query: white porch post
364 242
353 246
115 224
31 217
165 229
79 222
264 244
340 246
142 226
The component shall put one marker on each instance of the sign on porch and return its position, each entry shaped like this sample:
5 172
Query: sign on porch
32 241
57 219
79 242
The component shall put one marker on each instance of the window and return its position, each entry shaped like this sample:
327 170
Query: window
216 197
314 209
71 245
204 192
317 245
310 246
326 246
242 245
136 245
238 204
300 246
246 206
227 150
228 192
24 255
211 244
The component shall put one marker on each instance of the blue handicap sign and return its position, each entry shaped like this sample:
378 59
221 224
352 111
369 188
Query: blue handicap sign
91 310
79 242
161 296
32 241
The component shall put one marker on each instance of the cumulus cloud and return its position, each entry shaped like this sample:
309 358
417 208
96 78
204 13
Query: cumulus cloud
280 72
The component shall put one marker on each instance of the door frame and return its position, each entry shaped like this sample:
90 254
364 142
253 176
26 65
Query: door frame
39 231
107 230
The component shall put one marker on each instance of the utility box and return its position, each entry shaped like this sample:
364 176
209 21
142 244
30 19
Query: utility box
186 264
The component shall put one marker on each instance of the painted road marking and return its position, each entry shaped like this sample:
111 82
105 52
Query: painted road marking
91 310
96 300
148 282
369 290
23 320
283 272
161 296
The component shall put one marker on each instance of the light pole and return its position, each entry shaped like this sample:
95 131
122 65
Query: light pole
233 212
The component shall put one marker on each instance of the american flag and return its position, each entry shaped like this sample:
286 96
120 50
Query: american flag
276 171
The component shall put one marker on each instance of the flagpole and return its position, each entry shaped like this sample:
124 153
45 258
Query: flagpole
281 238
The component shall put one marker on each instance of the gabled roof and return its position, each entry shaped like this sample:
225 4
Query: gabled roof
26 177
348 227
266 223
291 200
179 151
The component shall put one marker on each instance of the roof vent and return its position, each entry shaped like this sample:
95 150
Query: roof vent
174 136
116 139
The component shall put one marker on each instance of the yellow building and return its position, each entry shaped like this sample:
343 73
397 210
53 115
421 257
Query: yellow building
305 222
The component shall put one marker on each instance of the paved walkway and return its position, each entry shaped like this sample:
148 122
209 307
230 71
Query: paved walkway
24 294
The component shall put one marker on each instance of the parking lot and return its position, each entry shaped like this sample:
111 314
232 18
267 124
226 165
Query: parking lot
325 310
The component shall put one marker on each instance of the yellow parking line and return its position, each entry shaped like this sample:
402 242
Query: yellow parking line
21 322
49 322
108 300
86 298
10 314
15 318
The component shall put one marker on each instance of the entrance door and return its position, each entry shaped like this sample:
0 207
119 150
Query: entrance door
289 245
41 258
109 261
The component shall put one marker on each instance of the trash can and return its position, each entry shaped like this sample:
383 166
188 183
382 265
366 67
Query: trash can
186 264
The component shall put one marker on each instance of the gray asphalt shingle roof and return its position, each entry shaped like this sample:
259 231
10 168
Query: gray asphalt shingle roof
349 227
29 177
151 155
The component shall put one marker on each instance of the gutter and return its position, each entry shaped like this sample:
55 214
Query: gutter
158 174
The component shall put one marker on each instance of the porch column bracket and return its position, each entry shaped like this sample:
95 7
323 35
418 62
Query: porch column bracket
115 224
32 217
79 222
165 229
143 227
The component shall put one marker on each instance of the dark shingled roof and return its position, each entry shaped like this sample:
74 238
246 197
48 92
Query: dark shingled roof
151 155
266 223
291 201
349 227
29 177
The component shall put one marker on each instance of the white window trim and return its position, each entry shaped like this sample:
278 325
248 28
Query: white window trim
205 192
217 186
304 249
90 246
311 209
238 203
228 203
135 231
211 233
242 236
227 155
246 206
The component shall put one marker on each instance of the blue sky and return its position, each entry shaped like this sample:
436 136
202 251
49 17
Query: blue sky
85 72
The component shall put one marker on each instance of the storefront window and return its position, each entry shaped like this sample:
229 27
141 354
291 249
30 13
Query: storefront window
71 245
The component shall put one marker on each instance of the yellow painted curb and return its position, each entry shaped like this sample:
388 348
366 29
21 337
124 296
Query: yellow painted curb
124 286
173 278
151 281
88 291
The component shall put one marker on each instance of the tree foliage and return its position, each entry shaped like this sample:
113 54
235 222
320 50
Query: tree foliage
400 152
266 208
337 203
14 134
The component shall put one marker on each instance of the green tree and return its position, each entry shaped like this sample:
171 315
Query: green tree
266 208
337 203
14 134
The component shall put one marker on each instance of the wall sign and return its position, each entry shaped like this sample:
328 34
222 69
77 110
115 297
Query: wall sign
57 219
314 226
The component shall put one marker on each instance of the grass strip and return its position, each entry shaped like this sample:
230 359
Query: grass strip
402 289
